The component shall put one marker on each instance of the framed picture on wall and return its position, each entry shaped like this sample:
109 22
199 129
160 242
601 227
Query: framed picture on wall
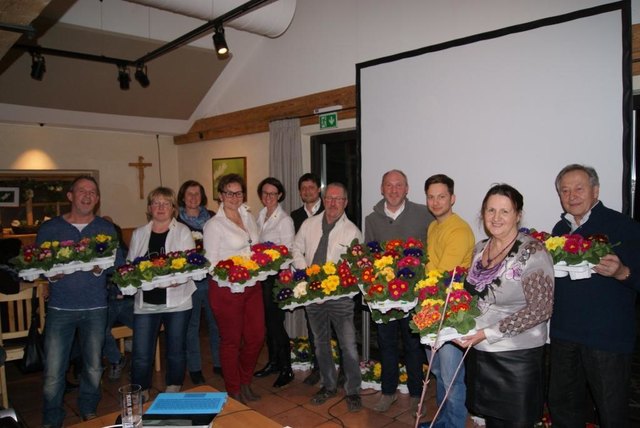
224 166
9 196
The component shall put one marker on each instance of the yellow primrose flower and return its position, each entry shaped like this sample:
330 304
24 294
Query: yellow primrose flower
178 263
103 238
403 378
65 253
329 268
555 242
455 286
273 254
377 371
330 284
387 273
144 265
382 262
432 302
45 244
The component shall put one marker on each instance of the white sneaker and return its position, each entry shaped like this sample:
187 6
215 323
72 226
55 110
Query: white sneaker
173 388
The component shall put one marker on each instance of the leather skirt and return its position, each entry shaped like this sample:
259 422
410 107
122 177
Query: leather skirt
506 385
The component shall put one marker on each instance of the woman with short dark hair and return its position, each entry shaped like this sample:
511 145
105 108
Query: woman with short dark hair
275 226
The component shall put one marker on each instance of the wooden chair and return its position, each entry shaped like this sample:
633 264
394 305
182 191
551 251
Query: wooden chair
122 332
18 321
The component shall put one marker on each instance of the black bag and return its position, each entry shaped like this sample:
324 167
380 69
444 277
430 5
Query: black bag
33 359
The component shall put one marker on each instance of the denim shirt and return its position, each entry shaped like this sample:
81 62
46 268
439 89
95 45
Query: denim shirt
79 290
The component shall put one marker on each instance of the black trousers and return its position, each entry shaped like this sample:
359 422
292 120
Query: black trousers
576 367
277 338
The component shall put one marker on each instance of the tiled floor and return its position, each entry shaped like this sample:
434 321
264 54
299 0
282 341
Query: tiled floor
288 406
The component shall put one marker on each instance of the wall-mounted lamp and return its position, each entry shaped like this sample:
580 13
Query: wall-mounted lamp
123 77
141 75
219 41
38 66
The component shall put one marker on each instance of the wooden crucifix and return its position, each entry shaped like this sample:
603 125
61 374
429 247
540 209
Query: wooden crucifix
140 165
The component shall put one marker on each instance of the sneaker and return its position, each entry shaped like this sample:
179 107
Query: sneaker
386 400
413 406
116 369
354 402
173 388
323 395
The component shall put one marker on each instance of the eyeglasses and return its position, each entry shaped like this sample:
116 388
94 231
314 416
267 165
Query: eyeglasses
334 199
270 194
233 194
158 204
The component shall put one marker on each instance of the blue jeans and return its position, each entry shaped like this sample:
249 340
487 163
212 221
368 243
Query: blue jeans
61 328
445 363
390 358
577 368
146 328
120 311
339 314
200 299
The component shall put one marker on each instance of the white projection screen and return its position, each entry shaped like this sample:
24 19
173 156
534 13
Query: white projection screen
510 106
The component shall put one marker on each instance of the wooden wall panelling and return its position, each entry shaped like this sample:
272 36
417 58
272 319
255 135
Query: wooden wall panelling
255 120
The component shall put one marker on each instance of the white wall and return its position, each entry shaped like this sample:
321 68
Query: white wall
35 147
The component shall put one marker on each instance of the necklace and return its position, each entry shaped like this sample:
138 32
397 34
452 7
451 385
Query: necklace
492 259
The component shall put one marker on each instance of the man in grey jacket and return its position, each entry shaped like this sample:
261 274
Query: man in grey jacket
395 217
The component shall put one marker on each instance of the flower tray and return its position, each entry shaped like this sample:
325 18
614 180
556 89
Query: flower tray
385 306
239 288
575 272
446 334
318 300
67 268
165 281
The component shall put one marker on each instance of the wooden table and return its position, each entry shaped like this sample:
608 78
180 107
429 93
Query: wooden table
234 415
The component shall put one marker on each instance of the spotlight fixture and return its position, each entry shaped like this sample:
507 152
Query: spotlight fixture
141 75
219 42
123 77
38 66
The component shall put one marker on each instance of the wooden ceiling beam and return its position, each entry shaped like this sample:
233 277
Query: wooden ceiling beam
255 120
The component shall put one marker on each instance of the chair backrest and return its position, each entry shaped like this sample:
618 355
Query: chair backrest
15 324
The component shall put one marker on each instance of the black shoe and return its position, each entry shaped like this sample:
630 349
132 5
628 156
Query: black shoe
354 403
312 378
197 378
285 377
270 368
341 379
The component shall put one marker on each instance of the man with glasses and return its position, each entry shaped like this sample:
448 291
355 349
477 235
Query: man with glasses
395 217
77 304
324 238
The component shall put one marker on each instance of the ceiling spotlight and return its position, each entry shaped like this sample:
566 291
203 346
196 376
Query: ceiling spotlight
38 66
123 77
141 75
219 42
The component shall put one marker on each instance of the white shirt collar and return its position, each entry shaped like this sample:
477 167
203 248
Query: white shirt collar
394 215
315 208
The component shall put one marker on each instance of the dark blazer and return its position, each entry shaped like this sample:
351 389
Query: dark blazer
300 215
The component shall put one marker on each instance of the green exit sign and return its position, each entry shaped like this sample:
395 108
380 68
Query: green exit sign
329 120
